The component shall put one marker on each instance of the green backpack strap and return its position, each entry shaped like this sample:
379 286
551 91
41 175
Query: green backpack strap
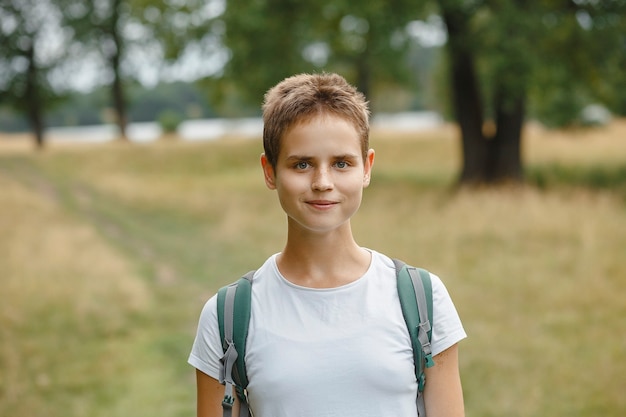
416 299
233 315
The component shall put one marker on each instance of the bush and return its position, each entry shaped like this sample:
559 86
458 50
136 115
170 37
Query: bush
169 120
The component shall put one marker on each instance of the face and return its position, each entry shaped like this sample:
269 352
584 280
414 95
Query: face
320 174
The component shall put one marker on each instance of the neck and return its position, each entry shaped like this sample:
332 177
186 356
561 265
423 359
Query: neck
323 260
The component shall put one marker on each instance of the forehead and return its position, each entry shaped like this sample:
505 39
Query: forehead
321 133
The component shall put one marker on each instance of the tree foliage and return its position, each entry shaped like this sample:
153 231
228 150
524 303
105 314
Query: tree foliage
583 56
272 39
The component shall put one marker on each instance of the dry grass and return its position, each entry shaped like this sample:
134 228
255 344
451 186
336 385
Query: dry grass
538 279
584 146
65 295
109 251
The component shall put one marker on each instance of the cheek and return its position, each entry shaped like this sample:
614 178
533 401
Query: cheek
290 185
354 185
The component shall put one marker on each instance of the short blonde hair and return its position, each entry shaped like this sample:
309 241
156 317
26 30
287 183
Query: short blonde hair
301 97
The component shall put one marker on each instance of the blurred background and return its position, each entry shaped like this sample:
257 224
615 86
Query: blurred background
130 189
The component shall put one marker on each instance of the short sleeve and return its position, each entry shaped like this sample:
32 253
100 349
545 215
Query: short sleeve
447 327
207 348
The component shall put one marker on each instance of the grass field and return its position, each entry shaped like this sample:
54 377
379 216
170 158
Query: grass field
108 252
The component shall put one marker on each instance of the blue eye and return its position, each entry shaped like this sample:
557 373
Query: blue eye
301 165
341 164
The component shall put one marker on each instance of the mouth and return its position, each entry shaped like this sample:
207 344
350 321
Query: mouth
321 204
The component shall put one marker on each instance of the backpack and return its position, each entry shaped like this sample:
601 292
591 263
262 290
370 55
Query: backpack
233 312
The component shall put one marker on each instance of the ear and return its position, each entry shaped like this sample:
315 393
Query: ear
268 172
367 167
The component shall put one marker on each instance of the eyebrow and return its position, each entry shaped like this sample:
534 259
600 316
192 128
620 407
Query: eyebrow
299 158
348 156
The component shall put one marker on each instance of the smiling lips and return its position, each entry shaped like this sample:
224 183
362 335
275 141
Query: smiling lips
321 204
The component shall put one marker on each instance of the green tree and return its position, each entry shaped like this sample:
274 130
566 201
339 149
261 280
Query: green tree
187 37
269 40
496 154
265 39
506 59
26 57
502 53
368 43
103 26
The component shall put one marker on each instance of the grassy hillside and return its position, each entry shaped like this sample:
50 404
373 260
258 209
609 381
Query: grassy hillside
108 252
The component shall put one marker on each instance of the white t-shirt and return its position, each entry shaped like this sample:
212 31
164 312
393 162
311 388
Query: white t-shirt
341 351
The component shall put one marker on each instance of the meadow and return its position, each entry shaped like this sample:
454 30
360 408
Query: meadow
109 251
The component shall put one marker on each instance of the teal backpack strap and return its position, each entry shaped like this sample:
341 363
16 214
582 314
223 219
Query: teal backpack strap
233 315
416 300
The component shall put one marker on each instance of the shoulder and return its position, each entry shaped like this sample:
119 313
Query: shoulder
382 263
441 295
209 311
447 326
439 288
208 315
266 270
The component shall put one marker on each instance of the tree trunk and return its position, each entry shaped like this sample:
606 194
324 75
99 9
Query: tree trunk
505 160
34 108
467 104
117 89
119 101
486 160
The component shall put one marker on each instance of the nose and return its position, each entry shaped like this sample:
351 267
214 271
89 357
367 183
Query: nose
322 180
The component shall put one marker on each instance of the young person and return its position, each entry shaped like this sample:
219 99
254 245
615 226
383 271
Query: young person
327 336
